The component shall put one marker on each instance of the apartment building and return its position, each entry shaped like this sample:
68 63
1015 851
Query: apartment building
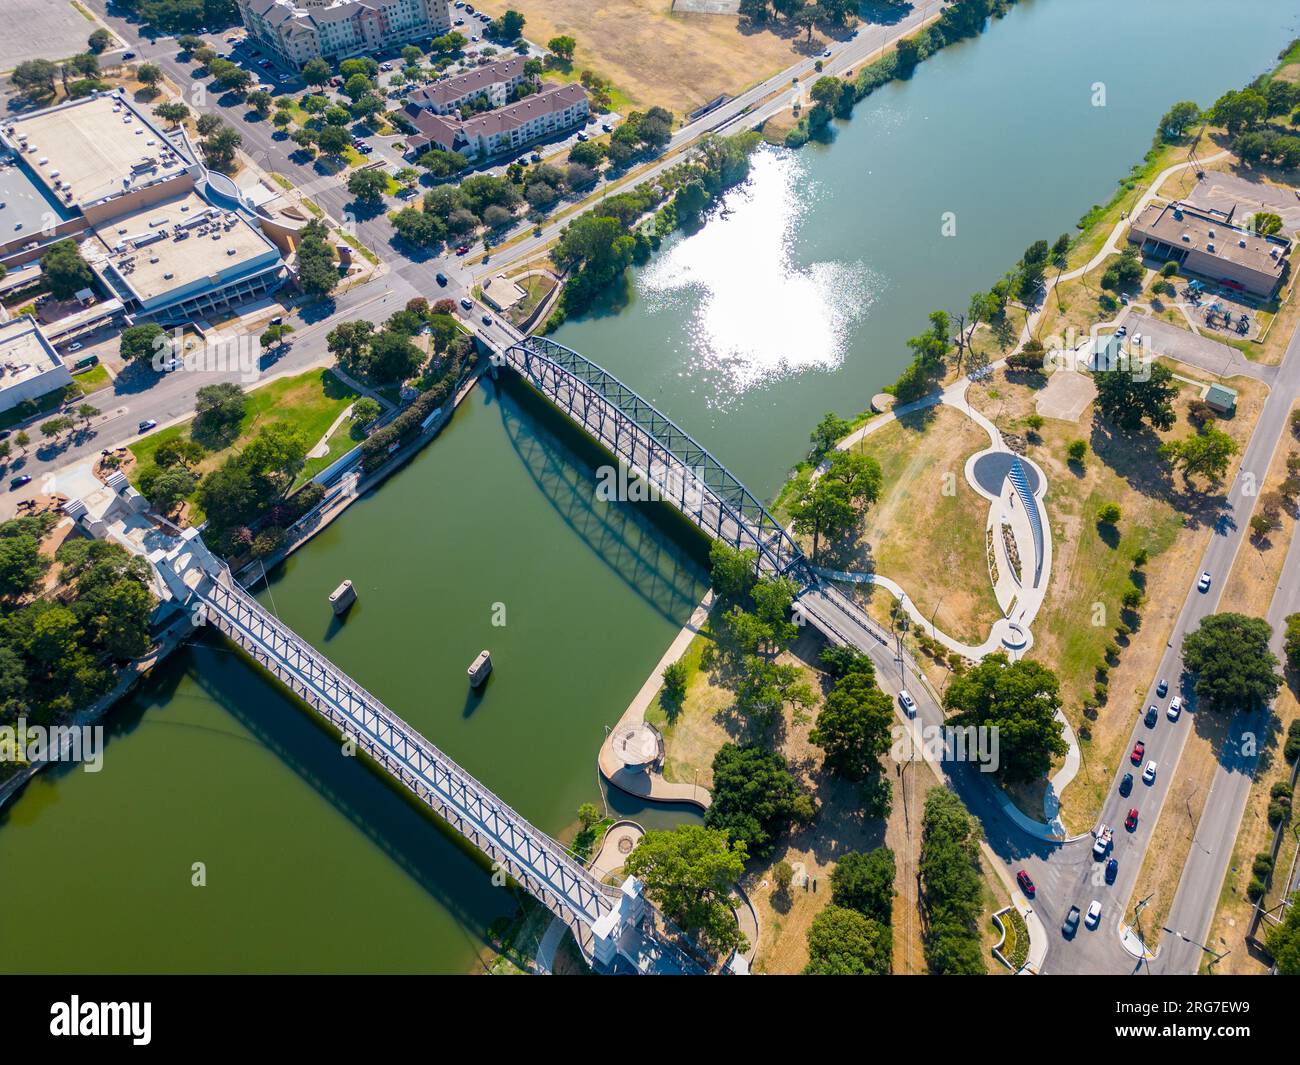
506 129
299 30
496 81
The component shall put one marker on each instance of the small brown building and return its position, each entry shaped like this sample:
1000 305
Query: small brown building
1209 244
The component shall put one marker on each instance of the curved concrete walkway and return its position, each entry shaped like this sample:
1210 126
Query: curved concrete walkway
650 784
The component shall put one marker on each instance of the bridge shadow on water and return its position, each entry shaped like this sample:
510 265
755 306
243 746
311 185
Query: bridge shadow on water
650 545
446 869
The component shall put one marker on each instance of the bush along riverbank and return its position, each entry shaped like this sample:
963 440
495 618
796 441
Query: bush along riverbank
597 248
836 97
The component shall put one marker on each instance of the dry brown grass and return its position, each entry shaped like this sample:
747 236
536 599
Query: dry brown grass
1159 513
927 530
657 58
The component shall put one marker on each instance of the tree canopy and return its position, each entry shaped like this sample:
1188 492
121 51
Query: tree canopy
754 796
1232 662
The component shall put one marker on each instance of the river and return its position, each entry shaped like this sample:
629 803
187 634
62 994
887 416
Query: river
796 301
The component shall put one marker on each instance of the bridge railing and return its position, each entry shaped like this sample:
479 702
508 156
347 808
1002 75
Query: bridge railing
230 599
750 522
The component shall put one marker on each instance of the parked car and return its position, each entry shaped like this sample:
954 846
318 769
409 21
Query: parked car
146 425
1094 914
1112 870
19 481
75 346
1126 783
1026 885
1139 749
908 704
1122 331
1071 923
1153 715
1149 773
1203 585
582 136
441 278
1131 822
1162 689
1175 708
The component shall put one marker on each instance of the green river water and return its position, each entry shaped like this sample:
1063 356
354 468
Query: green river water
795 302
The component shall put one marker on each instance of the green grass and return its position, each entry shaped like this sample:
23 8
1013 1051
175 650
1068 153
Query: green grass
93 380
310 402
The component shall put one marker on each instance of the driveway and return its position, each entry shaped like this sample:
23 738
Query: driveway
1222 360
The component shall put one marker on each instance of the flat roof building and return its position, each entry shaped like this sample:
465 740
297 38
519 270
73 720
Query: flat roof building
142 207
182 259
29 364
1209 243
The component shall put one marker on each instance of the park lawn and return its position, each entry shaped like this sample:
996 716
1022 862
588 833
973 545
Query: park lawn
309 401
1090 571
658 58
93 380
927 530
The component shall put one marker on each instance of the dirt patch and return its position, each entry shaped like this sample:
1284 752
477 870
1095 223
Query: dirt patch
657 57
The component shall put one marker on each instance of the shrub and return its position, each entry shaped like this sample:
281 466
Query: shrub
1277 813
1263 865
1140 557
1076 450
1109 513
1255 889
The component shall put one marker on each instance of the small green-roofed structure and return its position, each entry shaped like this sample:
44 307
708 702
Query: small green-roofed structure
1222 398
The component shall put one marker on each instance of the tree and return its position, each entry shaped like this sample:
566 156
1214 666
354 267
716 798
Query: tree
1283 941
172 111
675 677
419 227
951 886
864 881
828 432
1076 451
1292 644
140 343
185 452
1204 454
150 74
317 273
260 101
562 46
832 504
21 563
332 140
754 796
65 271
171 488
855 724
316 72
688 874
349 343
441 164
368 186
393 357
1108 514
1020 700
842 942
220 146
365 411
1129 395
508 27
754 10
1234 668
1178 120
275 336
218 411
35 77
732 571
99 41
1239 110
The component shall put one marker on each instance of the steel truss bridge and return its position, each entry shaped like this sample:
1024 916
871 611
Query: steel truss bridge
609 923
684 474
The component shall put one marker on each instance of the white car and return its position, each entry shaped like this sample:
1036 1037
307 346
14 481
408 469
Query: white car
1149 773
908 704
1203 585
1175 708
1094 914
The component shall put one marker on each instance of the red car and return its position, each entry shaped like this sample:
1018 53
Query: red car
463 250
1131 821
1026 885
1138 751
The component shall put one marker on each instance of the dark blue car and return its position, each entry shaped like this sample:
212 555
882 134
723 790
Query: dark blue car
1126 784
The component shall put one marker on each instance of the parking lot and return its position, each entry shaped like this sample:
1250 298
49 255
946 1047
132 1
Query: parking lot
41 29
